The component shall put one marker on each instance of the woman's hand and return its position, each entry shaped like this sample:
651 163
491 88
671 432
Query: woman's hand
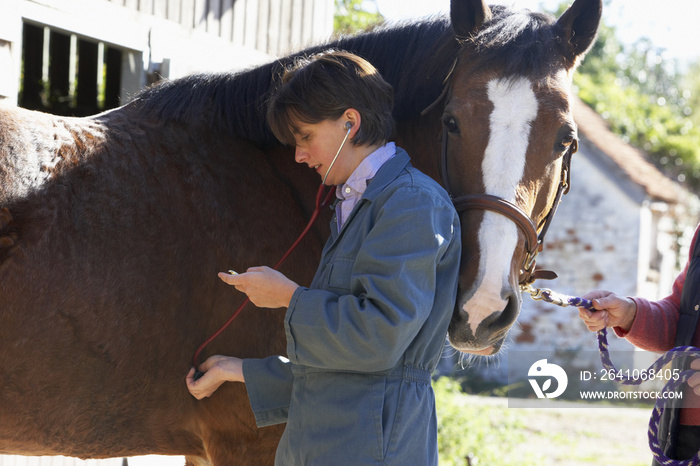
694 380
611 311
217 370
264 286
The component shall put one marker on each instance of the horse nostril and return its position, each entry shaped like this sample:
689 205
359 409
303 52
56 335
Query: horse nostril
510 313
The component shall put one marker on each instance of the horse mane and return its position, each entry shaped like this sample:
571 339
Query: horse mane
413 57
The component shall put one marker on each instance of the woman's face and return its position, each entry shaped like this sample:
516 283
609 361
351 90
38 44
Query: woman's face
317 144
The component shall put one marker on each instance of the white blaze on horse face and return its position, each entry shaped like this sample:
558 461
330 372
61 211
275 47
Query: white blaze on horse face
514 109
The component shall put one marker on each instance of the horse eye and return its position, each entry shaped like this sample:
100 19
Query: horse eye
450 124
565 143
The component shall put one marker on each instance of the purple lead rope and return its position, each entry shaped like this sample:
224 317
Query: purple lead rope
562 300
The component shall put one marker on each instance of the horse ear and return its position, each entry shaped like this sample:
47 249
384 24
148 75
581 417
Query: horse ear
467 16
578 27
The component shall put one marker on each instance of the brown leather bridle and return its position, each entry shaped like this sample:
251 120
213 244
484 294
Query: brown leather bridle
534 241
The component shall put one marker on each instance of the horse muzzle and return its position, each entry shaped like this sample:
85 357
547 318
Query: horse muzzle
483 332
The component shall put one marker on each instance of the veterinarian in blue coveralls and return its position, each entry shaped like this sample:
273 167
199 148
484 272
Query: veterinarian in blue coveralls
364 337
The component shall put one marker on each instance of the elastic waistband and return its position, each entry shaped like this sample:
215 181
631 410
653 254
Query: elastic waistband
414 374
407 373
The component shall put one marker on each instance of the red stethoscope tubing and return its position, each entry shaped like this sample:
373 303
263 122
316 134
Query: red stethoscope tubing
321 201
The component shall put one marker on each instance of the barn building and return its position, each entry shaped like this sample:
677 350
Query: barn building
83 56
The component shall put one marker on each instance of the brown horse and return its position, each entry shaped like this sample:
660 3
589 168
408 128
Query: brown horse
112 228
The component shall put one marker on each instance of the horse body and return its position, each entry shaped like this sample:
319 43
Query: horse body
122 250
112 230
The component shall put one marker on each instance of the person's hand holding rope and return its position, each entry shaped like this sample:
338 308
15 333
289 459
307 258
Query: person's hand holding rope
694 380
611 310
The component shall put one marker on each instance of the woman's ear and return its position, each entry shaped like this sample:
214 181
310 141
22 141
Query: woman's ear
353 119
352 116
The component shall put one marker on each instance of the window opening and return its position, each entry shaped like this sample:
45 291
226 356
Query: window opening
65 74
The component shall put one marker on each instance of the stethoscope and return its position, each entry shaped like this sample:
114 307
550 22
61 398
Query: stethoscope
321 201
348 126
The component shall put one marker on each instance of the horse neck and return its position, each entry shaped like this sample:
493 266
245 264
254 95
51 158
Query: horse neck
413 58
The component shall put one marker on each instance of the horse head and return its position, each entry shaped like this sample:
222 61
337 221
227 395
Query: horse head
508 136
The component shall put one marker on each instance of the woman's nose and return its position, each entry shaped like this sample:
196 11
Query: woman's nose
300 155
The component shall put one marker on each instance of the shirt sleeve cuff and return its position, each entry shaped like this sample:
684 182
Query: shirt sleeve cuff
622 333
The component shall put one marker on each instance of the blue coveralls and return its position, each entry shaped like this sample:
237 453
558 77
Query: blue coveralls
363 339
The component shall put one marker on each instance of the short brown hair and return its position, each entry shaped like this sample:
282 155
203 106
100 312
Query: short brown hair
322 87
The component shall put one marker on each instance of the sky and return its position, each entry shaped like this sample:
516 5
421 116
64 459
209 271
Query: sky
673 26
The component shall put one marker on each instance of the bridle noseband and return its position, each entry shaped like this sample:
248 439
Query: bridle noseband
534 241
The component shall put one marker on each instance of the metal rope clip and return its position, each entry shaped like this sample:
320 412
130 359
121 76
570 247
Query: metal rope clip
546 295
535 293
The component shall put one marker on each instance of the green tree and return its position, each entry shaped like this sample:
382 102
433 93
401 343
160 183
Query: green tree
647 100
691 94
352 16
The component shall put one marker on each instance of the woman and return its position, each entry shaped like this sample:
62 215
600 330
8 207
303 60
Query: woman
364 337
659 326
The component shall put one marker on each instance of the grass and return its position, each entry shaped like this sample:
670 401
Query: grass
489 433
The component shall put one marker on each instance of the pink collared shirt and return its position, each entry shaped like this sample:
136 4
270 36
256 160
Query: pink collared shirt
352 190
